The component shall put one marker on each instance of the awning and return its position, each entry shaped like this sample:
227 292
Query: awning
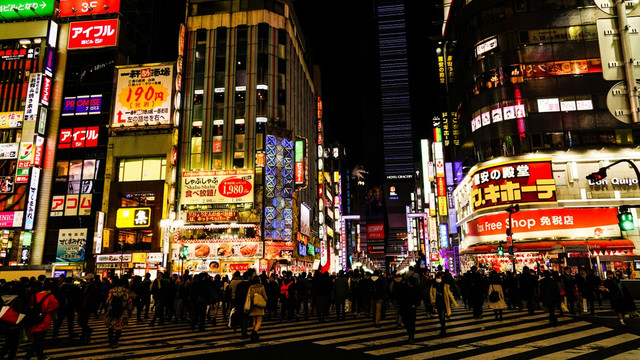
530 246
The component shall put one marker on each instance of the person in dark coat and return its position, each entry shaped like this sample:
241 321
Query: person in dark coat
287 297
199 296
592 287
273 293
242 288
144 294
377 294
89 303
340 294
570 288
67 296
620 297
323 287
159 290
409 299
528 286
302 295
476 285
550 295
16 296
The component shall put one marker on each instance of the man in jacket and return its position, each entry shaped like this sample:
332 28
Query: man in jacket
397 283
159 290
242 288
377 294
569 288
340 294
89 303
67 297
144 294
287 297
39 331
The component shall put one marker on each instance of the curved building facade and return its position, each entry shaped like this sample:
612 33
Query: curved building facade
531 96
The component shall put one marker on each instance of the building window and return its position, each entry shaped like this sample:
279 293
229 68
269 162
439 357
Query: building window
142 169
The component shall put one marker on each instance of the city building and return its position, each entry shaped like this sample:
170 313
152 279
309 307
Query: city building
248 150
530 93
58 60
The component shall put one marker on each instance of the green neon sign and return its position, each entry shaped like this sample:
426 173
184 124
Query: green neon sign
25 9
299 150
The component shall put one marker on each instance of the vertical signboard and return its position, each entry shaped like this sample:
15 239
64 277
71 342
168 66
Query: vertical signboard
32 197
33 97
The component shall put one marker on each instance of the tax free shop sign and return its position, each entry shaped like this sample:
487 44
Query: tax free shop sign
545 223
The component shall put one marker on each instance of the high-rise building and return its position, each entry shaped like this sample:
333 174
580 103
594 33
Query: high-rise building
532 91
248 144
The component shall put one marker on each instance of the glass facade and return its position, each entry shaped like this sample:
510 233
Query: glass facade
530 79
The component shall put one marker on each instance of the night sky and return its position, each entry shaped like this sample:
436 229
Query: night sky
342 40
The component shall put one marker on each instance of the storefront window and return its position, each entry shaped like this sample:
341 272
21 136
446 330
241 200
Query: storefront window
142 169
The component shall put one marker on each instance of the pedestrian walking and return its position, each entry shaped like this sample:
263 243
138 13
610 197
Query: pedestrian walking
67 297
496 295
340 294
241 290
441 300
550 294
619 296
13 296
396 285
88 305
476 285
409 300
273 292
377 294
256 311
48 304
119 307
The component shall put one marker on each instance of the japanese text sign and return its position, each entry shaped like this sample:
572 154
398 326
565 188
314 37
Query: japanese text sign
217 187
133 217
33 97
513 182
71 245
93 34
22 9
143 95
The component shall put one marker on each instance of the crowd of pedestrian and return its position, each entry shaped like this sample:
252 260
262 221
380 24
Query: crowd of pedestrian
246 298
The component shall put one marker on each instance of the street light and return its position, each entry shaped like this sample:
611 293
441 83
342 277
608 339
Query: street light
602 172
170 226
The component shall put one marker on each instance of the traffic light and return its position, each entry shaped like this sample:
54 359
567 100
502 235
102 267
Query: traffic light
184 252
500 250
510 250
625 220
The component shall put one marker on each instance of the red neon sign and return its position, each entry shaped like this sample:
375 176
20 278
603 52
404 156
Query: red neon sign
93 34
88 7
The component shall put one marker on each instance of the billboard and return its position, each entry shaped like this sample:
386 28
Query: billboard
305 219
10 120
217 187
93 34
71 245
133 217
143 95
513 182
88 7
545 223
24 9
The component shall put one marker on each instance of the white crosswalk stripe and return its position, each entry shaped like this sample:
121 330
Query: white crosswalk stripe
528 336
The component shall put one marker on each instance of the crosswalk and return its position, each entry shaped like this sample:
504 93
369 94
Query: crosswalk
518 335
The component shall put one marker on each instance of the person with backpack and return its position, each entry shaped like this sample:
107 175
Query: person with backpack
287 297
119 307
67 297
38 318
14 294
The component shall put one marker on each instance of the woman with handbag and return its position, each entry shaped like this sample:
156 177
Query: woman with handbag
496 295
258 300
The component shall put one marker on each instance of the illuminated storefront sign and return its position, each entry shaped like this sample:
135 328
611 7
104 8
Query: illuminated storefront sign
545 223
24 9
78 137
114 258
33 97
9 150
10 120
375 231
88 7
217 187
82 105
507 183
143 95
10 219
212 216
32 197
71 205
71 245
444 236
279 181
93 34
133 217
